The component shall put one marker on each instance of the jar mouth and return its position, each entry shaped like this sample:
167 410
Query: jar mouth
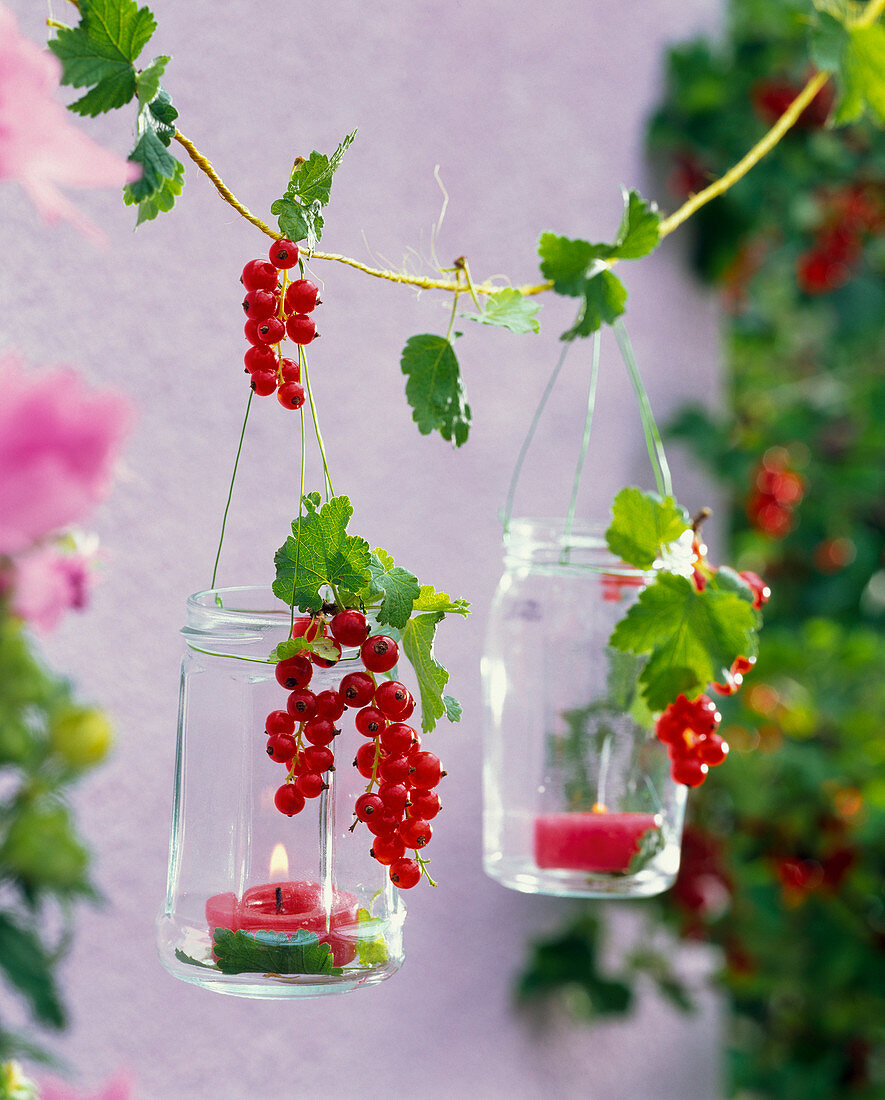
560 543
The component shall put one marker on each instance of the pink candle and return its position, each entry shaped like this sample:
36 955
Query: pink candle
590 841
287 907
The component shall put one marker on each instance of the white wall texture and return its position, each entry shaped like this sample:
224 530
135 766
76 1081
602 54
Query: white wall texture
534 113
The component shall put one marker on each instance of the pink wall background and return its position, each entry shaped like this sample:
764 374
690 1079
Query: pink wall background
534 113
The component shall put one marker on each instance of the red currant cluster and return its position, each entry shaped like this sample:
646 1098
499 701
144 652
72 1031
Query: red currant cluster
849 214
688 728
276 308
777 491
400 798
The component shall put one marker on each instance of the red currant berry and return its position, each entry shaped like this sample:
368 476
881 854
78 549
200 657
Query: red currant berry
258 305
279 721
250 331
260 358
289 800
712 750
392 698
424 804
270 331
424 770
405 873
291 395
379 653
302 296
301 328
289 369
367 805
357 689
259 275
319 731
294 672
317 758
327 662
302 704
281 747
369 722
388 848
306 627
393 769
384 823
283 254
365 759
397 738
349 627
689 771
310 784
329 705
264 383
415 832
394 796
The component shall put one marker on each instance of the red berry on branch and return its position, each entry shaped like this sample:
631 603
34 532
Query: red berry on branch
424 770
357 689
294 672
258 305
388 848
302 704
689 771
291 395
349 627
369 721
379 653
283 254
281 747
270 331
259 275
319 731
318 758
301 328
288 800
290 370
397 738
260 358
393 699
329 705
405 873
264 383
310 784
279 721
302 296
424 804
364 762
367 805
415 832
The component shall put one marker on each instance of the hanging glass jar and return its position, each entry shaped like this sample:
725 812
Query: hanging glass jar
578 798
260 904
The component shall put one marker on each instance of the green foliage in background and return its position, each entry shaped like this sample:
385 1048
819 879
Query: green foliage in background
784 856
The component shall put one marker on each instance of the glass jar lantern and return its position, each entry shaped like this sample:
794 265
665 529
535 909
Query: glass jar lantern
260 904
578 799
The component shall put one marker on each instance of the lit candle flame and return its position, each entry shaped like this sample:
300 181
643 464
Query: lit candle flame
600 808
279 863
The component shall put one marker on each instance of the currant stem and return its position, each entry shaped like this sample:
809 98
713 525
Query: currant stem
230 491
330 492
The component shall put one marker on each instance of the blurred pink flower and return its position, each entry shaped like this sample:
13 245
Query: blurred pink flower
58 443
120 1087
46 582
39 146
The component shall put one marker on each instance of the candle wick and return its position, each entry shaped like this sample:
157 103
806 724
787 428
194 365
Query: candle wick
279 899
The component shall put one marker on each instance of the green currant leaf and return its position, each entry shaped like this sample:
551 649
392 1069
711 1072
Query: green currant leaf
642 524
272 953
99 52
299 210
417 642
147 81
428 599
604 300
434 388
28 967
692 637
862 75
320 553
396 585
323 647
509 309
639 232
453 708
162 176
828 40
567 262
